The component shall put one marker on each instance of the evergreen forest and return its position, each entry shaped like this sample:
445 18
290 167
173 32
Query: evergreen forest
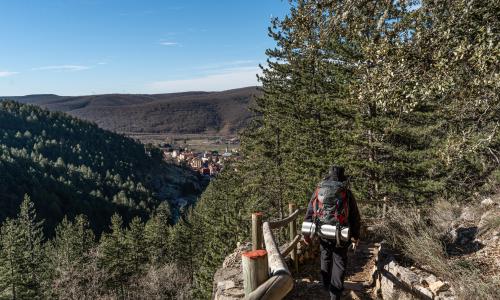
404 94
70 167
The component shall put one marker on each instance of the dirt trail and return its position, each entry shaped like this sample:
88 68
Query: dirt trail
358 278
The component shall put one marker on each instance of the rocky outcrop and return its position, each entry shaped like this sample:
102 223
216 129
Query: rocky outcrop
228 280
394 281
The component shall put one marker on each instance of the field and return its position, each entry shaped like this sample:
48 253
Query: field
194 142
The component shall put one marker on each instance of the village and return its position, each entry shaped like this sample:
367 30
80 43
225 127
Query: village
207 163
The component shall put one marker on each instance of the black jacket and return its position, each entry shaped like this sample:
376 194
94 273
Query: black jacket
354 217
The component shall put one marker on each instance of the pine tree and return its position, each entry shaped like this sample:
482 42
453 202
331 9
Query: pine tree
456 43
183 245
34 259
134 255
111 256
290 145
23 261
69 256
432 105
156 234
10 259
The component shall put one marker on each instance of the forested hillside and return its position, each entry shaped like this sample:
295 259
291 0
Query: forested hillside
404 94
224 112
70 167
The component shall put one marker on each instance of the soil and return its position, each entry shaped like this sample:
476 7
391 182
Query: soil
358 282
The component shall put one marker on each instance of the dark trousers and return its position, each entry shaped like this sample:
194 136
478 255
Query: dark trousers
333 264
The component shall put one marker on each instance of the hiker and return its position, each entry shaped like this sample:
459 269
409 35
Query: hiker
332 203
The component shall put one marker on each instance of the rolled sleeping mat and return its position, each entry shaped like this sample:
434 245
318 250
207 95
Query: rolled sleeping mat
308 228
325 231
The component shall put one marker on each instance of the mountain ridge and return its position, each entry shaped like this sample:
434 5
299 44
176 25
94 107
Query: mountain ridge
224 112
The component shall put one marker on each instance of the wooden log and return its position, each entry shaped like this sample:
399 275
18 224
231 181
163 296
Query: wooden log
285 221
291 246
275 288
257 238
293 234
255 270
276 263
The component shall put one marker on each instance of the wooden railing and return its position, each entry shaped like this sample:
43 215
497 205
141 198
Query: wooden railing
265 273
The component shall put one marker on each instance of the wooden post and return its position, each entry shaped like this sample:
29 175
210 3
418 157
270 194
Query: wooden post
293 233
257 238
255 270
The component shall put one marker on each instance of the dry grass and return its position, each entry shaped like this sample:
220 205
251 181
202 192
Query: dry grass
165 282
421 235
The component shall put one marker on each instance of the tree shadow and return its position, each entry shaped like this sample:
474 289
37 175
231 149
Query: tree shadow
463 242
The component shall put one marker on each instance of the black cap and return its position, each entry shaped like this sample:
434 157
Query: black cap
336 173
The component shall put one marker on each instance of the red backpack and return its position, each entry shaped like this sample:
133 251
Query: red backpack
331 204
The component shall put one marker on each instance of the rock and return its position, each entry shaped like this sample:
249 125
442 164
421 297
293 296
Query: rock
428 280
424 292
468 215
235 293
487 202
228 280
452 235
224 285
407 276
234 259
386 287
390 267
438 287
446 296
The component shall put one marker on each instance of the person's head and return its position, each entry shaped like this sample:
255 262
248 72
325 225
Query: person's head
336 173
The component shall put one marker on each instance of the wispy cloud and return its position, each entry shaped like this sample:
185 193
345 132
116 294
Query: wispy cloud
7 73
232 63
228 79
63 68
169 43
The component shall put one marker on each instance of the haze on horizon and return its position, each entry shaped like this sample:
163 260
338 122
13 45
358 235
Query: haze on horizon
86 47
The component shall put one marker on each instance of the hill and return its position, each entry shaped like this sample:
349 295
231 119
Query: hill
33 99
223 112
69 167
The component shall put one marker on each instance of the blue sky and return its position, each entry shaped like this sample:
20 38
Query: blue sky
83 47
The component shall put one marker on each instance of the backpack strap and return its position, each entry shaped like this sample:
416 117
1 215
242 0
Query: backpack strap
317 206
343 212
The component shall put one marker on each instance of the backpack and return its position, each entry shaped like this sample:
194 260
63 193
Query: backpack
330 203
